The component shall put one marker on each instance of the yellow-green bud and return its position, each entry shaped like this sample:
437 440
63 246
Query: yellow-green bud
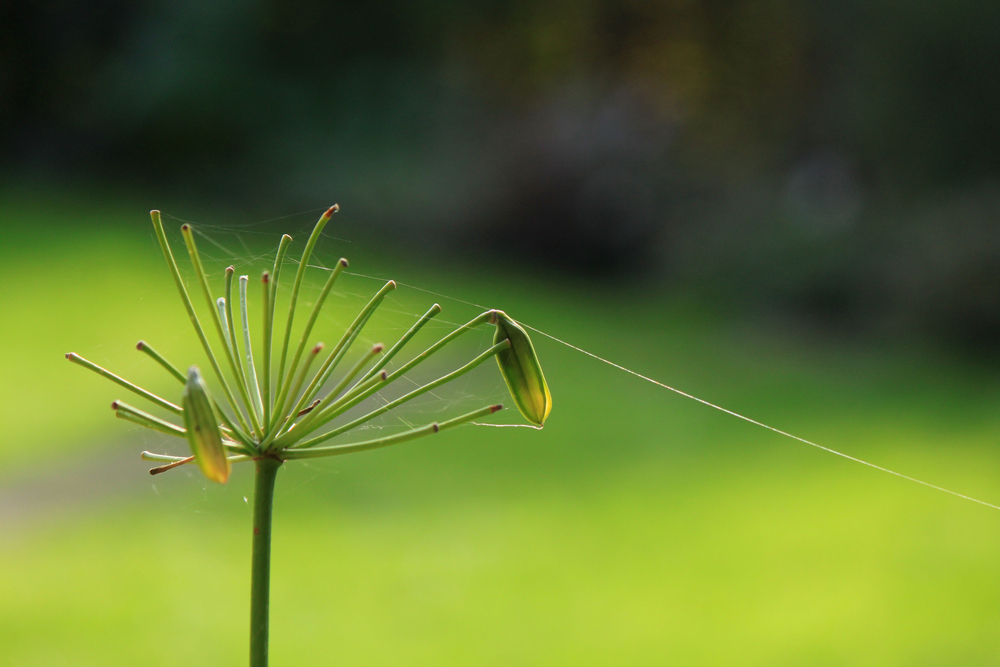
521 370
203 432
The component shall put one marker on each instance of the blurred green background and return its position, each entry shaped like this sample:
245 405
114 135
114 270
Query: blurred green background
787 208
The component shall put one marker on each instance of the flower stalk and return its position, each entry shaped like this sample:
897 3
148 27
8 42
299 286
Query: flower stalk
282 416
260 566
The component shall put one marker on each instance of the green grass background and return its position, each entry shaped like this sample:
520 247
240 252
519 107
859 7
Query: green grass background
637 528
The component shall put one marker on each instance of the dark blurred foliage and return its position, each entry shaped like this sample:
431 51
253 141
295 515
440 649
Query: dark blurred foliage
836 159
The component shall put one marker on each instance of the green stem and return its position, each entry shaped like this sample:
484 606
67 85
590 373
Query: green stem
303 264
167 405
268 322
392 439
283 395
188 232
324 372
233 345
251 373
260 578
305 427
387 357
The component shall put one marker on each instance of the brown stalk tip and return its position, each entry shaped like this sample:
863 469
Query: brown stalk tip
343 262
141 344
435 427
114 405
378 347
70 355
185 227
496 408
384 375
306 411
230 269
333 209
170 466
493 317
318 348
266 277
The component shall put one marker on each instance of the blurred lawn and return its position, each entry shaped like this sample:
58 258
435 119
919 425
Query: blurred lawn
638 528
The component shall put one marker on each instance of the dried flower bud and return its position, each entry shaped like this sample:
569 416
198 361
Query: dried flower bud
521 370
203 432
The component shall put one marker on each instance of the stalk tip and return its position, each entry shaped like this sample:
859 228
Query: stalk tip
230 269
141 344
317 348
286 236
436 308
185 227
384 375
392 284
266 277
343 262
496 408
309 408
114 405
70 355
435 427
378 347
330 211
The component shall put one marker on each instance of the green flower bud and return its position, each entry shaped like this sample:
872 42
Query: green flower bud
521 370
203 432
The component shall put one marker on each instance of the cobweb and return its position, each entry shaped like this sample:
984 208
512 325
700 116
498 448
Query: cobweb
250 248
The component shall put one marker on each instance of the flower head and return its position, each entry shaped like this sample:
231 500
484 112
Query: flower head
289 414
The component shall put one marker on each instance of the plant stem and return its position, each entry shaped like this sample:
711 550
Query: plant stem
260 578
